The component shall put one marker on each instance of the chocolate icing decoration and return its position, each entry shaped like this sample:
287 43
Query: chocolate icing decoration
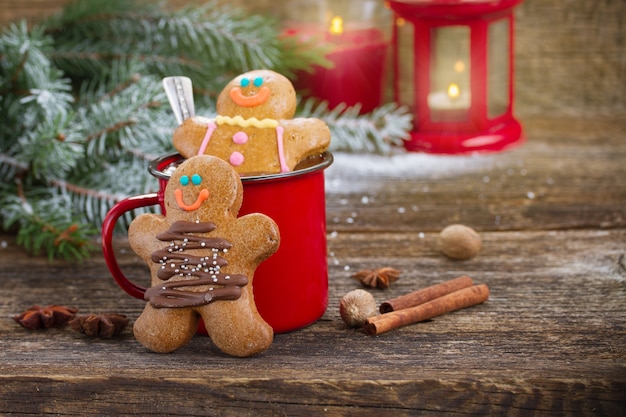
207 269
168 296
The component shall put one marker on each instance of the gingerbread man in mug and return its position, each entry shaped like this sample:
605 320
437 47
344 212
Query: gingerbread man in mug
255 130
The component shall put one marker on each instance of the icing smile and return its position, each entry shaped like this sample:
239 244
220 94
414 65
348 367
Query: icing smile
261 96
250 101
202 197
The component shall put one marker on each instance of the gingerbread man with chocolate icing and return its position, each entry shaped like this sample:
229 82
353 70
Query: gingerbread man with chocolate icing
255 130
202 259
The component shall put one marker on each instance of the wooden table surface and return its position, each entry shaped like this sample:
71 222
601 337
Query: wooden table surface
551 339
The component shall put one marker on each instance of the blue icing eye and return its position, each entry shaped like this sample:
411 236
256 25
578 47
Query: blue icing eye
245 82
184 180
258 81
196 179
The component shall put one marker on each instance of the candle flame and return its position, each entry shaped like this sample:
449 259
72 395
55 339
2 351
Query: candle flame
336 26
453 91
459 66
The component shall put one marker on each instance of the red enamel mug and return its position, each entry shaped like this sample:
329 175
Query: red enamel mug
291 287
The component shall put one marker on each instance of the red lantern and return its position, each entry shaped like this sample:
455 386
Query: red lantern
453 67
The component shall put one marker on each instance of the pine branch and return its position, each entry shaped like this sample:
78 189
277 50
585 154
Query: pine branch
83 107
209 43
10 167
20 47
94 190
122 119
31 90
379 131
227 37
42 227
52 149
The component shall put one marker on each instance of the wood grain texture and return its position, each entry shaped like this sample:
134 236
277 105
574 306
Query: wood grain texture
531 187
551 339
570 57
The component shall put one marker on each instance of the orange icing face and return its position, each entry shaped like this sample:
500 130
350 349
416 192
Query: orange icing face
255 99
259 94
196 180
202 196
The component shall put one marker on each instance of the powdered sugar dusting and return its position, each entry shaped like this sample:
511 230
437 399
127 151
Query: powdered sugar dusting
410 165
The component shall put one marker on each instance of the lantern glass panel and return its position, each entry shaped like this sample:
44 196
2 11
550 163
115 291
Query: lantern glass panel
405 33
450 97
498 71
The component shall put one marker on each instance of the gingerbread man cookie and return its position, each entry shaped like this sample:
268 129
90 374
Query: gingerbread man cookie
202 259
255 130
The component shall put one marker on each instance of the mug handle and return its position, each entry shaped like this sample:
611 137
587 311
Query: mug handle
108 226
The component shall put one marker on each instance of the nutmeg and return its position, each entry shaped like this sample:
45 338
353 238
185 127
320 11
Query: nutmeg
460 242
357 306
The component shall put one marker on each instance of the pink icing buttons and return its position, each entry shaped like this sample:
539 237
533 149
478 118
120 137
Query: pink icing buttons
236 159
240 138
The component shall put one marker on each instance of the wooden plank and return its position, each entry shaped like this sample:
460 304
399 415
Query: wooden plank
201 397
552 337
550 340
33 11
569 57
555 180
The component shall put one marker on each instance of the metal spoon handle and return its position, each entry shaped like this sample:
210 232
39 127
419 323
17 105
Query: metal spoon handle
180 95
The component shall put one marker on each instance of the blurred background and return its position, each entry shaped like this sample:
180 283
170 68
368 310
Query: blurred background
570 55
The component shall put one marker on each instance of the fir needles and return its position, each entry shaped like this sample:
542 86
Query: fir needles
83 110
376 132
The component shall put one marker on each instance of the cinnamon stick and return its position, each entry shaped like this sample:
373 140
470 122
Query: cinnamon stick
426 294
457 300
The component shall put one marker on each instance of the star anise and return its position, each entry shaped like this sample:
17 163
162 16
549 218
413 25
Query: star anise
100 325
37 317
377 278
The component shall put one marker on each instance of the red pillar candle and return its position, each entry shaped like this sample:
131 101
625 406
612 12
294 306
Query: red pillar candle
357 47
